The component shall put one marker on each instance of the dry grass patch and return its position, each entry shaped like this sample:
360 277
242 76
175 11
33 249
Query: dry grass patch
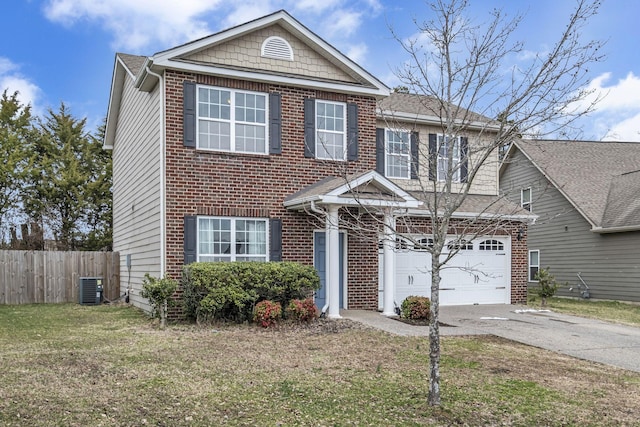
111 366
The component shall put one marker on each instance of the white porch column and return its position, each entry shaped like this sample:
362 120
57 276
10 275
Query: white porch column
389 260
333 263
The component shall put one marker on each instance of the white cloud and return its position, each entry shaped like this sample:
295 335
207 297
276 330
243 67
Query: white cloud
248 11
617 114
136 24
11 80
357 53
315 6
343 23
626 130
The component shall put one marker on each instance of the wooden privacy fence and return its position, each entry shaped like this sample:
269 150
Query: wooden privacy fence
28 277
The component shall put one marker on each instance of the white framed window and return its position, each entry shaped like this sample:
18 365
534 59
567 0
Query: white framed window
525 198
445 149
232 239
491 245
397 153
423 244
331 130
463 245
232 120
534 264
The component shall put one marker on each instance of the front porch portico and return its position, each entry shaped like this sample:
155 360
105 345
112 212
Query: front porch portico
369 193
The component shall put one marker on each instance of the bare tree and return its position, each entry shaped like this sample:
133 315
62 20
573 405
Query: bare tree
459 75
460 69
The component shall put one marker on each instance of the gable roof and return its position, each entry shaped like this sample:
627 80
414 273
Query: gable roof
176 58
600 179
426 109
367 188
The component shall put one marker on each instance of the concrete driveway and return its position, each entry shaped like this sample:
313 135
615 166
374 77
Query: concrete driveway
593 340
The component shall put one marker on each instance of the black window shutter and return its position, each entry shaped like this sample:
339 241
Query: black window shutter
433 157
352 132
275 239
275 123
415 153
189 114
380 151
309 127
464 158
190 239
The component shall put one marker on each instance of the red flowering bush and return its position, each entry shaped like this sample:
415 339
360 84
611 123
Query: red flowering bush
415 308
267 313
302 310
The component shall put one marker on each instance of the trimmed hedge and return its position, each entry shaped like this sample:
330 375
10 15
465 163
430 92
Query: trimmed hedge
230 290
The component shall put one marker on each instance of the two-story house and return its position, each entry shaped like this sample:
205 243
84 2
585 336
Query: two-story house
586 195
263 143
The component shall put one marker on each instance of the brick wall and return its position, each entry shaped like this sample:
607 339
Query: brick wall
213 183
228 184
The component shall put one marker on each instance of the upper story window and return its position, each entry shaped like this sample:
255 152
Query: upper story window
525 198
448 147
231 120
397 154
232 239
331 129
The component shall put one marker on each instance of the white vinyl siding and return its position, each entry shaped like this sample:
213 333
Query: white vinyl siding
136 188
231 120
331 130
397 154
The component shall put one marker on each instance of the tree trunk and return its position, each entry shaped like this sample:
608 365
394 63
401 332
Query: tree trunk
163 315
434 338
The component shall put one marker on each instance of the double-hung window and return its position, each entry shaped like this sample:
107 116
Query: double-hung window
331 130
232 120
534 265
232 239
525 198
449 147
397 153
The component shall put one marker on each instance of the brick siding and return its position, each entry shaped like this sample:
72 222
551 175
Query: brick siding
228 184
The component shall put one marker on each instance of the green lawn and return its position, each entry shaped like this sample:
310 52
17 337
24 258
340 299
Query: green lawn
72 365
611 311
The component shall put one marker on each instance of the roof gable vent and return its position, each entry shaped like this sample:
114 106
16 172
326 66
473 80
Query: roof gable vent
277 48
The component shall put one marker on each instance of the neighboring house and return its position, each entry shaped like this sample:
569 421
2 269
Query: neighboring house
260 142
587 198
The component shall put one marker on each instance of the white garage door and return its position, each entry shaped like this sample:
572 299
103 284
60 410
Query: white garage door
478 274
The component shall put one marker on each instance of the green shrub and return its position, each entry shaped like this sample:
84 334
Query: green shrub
230 290
159 292
415 308
547 285
267 313
301 310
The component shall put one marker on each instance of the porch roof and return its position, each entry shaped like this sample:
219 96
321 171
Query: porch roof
365 189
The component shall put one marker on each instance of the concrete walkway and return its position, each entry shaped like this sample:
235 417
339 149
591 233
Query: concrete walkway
587 339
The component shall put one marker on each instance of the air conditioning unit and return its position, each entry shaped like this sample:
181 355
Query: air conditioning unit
90 292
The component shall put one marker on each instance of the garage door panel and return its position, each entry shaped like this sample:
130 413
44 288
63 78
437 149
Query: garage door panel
477 275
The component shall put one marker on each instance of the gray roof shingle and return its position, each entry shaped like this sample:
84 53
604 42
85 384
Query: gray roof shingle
133 62
594 176
415 104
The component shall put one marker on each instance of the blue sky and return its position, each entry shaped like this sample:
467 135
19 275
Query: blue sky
56 51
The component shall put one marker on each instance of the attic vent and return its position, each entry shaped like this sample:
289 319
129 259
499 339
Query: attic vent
277 48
